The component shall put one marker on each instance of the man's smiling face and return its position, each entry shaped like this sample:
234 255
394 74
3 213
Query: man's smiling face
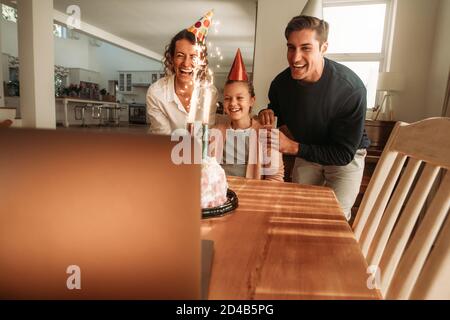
305 55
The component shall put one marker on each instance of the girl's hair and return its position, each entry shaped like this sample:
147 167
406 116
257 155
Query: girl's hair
249 84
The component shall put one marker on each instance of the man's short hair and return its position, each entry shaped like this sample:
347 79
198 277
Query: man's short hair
301 22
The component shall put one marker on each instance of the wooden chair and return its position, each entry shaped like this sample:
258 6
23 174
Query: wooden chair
387 226
433 282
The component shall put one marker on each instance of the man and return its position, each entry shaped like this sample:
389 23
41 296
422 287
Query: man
321 107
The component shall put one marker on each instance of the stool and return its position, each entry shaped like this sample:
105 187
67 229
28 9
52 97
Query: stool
116 114
81 110
97 113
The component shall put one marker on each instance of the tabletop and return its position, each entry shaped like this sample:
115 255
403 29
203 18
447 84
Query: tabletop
81 100
285 241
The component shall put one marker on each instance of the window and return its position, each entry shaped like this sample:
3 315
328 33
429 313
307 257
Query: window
358 38
9 13
59 31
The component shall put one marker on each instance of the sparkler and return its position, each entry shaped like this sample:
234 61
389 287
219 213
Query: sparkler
202 82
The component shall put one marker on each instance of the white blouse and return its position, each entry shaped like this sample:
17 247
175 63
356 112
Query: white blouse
165 110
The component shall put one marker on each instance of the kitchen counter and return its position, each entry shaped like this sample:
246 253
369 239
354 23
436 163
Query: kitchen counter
69 101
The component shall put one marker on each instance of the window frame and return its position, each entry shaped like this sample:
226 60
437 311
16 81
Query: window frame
382 57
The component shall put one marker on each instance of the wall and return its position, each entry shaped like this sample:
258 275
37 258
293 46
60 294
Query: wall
270 46
440 65
5 67
72 53
414 46
106 59
415 26
421 51
219 82
10 44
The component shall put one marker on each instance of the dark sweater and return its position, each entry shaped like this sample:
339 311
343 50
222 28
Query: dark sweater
326 117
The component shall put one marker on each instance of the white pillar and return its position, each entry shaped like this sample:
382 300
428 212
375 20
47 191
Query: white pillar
36 55
2 93
270 47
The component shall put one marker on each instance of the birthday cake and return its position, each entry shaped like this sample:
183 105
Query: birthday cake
213 183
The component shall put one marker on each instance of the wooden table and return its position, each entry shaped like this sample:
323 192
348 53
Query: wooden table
285 241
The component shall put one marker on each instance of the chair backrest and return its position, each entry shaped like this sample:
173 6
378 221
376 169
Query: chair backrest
434 281
386 225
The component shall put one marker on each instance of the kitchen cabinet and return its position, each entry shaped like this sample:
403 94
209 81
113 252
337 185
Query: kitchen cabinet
141 77
125 82
77 75
121 82
130 79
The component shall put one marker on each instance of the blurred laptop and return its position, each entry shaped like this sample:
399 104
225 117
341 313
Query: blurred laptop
97 216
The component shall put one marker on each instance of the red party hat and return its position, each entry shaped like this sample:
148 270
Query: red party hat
237 71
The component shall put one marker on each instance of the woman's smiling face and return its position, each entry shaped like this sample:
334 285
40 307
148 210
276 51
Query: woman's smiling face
183 60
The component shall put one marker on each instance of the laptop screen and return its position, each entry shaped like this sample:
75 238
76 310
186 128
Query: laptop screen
96 216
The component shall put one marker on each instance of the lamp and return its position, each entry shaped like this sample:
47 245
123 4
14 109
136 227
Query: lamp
389 82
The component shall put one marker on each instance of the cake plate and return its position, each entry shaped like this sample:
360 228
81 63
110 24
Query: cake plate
230 205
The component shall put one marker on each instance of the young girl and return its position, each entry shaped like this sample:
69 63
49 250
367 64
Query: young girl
244 150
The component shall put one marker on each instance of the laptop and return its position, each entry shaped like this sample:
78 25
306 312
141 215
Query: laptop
98 216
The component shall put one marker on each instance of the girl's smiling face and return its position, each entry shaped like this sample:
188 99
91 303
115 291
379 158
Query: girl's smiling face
237 101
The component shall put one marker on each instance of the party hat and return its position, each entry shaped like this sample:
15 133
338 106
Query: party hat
313 8
201 27
237 71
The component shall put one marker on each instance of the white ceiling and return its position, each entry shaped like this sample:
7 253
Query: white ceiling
152 23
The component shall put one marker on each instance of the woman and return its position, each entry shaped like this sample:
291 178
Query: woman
247 155
168 100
